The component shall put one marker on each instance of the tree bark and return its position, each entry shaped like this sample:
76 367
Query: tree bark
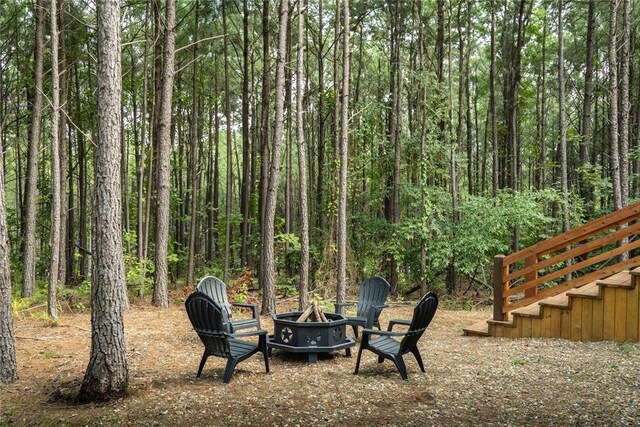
344 149
64 154
268 267
625 105
586 191
31 190
229 165
8 365
246 143
56 197
302 165
160 294
562 122
193 158
107 374
613 104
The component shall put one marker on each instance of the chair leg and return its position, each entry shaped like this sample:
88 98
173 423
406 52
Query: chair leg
355 330
416 353
265 351
231 366
358 360
205 356
401 366
380 359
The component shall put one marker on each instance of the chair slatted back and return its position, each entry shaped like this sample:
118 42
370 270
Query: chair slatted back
216 289
208 320
422 316
373 291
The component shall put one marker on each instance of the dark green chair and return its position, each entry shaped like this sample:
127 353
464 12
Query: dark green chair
216 289
371 300
386 346
211 323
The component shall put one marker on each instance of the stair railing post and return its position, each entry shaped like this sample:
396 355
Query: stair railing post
498 287
530 277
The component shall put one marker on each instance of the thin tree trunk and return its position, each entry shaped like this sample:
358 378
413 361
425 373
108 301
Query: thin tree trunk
64 154
344 149
625 105
229 166
244 192
107 374
613 105
321 141
31 190
264 119
193 158
492 103
160 294
56 197
143 146
302 165
268 267
586 192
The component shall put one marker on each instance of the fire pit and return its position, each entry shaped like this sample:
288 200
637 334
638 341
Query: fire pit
310 337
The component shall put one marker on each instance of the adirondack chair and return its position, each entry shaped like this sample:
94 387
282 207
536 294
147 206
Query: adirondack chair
209 320
371 300
387 347
216 289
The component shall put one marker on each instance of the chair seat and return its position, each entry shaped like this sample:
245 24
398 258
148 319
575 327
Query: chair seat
386 345
239 348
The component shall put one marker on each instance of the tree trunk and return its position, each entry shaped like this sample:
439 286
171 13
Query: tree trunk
56 197
625 105
229 166
564 181
31 190
613 105
268 267
321 141
586 192
492 102
244 191
160 295
193 158
344 149
302 166
107 374
64 154
264 119
8 365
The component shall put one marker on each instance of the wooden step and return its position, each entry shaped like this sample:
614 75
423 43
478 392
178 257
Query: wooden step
480 329
590 290
559 301
532 310
620 280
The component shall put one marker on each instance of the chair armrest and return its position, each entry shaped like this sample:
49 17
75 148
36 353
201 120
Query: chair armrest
249 334
339 306
398 322
253 307
380 306
384 333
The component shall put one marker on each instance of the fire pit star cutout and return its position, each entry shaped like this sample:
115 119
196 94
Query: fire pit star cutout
286 334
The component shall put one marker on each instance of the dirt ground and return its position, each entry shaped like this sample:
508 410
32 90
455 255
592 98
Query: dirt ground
483 381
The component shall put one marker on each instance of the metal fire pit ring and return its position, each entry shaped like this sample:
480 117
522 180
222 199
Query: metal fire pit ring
310 337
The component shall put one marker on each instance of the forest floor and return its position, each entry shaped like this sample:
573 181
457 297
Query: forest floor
484 381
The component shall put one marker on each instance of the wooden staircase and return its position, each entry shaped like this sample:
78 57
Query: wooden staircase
571 286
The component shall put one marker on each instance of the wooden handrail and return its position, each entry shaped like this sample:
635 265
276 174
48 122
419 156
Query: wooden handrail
526 267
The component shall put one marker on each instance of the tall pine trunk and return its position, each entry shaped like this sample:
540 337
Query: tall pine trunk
268 265
107 374
302 166
31 190
344 149
160 293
